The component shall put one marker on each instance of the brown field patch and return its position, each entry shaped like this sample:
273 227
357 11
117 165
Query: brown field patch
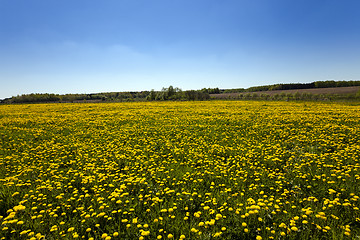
336 90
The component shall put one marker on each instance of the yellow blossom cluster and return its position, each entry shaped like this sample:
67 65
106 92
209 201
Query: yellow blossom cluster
180 170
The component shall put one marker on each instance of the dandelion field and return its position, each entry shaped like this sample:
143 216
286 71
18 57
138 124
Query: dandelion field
180 170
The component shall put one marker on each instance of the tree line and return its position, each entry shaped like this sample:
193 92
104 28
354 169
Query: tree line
94 97
172 93
169 93
165 94
289 86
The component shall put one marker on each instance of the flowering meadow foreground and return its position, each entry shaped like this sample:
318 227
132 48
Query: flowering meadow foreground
180 170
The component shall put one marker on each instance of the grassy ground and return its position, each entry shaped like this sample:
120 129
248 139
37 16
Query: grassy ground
175 170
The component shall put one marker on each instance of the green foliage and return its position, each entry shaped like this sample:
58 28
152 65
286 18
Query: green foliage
235 90
196 95
172 93
327 84
33 97
289 86
93 97
211 90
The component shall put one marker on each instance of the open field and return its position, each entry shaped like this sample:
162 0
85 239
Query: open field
180 170
335 90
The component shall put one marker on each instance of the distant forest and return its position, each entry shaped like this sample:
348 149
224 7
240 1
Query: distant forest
289 86
165 94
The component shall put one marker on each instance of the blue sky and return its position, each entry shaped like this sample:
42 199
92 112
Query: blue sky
51 46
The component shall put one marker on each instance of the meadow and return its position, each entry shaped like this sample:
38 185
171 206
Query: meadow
180 170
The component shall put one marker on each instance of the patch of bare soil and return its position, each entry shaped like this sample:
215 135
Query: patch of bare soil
337 90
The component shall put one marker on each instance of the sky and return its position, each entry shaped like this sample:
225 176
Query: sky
92 46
